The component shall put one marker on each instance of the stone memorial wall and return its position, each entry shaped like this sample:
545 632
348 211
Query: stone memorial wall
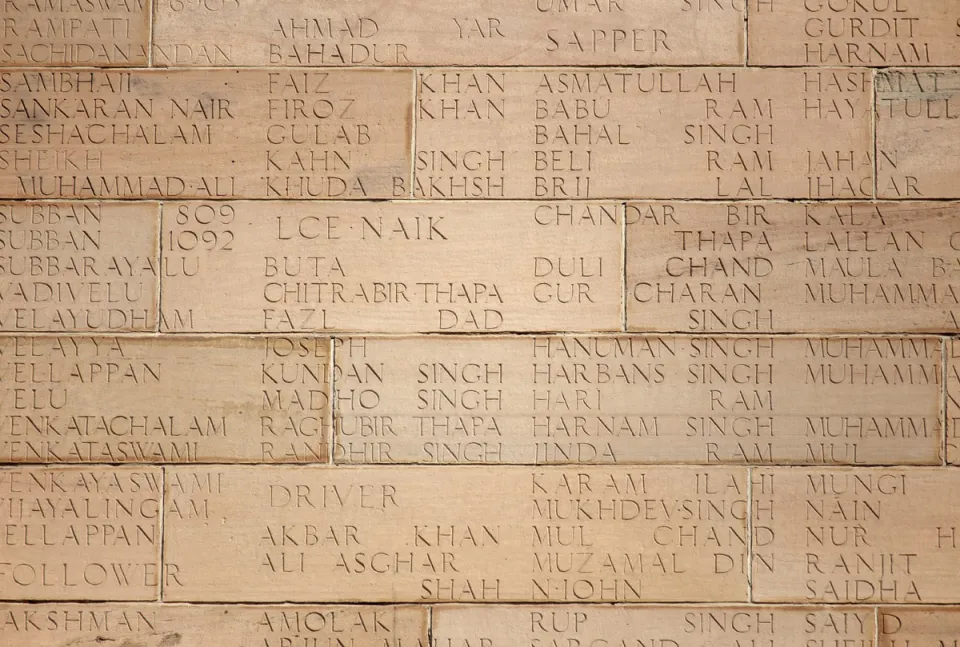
543 323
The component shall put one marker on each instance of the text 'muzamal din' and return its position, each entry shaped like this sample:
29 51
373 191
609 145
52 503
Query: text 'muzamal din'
516 534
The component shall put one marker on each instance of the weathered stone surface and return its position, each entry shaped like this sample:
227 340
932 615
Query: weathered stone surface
861 535
737 133
918 127
153 625
875 33
78 266
399 534
164 400
952 353
391 267
407 33
205 134
791 267
639 399
923 627
680 626
96 33
80 533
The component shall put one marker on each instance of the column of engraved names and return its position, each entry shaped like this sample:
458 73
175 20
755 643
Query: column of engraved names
711 277
614 132
638 399
73 131
878 33
295 380
833 168
314 134
683 523
472 99
75 266
575 126
70 533
70 32
789 267
274 134
865 535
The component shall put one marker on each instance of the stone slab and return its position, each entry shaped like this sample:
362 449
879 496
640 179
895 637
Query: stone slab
164 400
91 533
207 134
407 33
876 33
638 399
712 133
78 266
866 535
100 33
923 627
167 625
677 626
391 267
793 267
952 354
918 130
422 534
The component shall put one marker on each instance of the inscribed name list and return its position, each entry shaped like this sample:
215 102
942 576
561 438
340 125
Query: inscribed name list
91 33
873 33
391 267
638 399
737 133
164 400
793 267
391 534
205 134
88 533
447 32
78 266
866 535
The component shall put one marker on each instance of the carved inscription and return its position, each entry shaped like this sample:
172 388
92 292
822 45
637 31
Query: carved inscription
952 353
88 625
93 33
672 399
204 134
77 266
793 267
653 133
920 627
866 535
90 533
399 534
501 626
877 33
174 400
448 32
283 267
918 124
